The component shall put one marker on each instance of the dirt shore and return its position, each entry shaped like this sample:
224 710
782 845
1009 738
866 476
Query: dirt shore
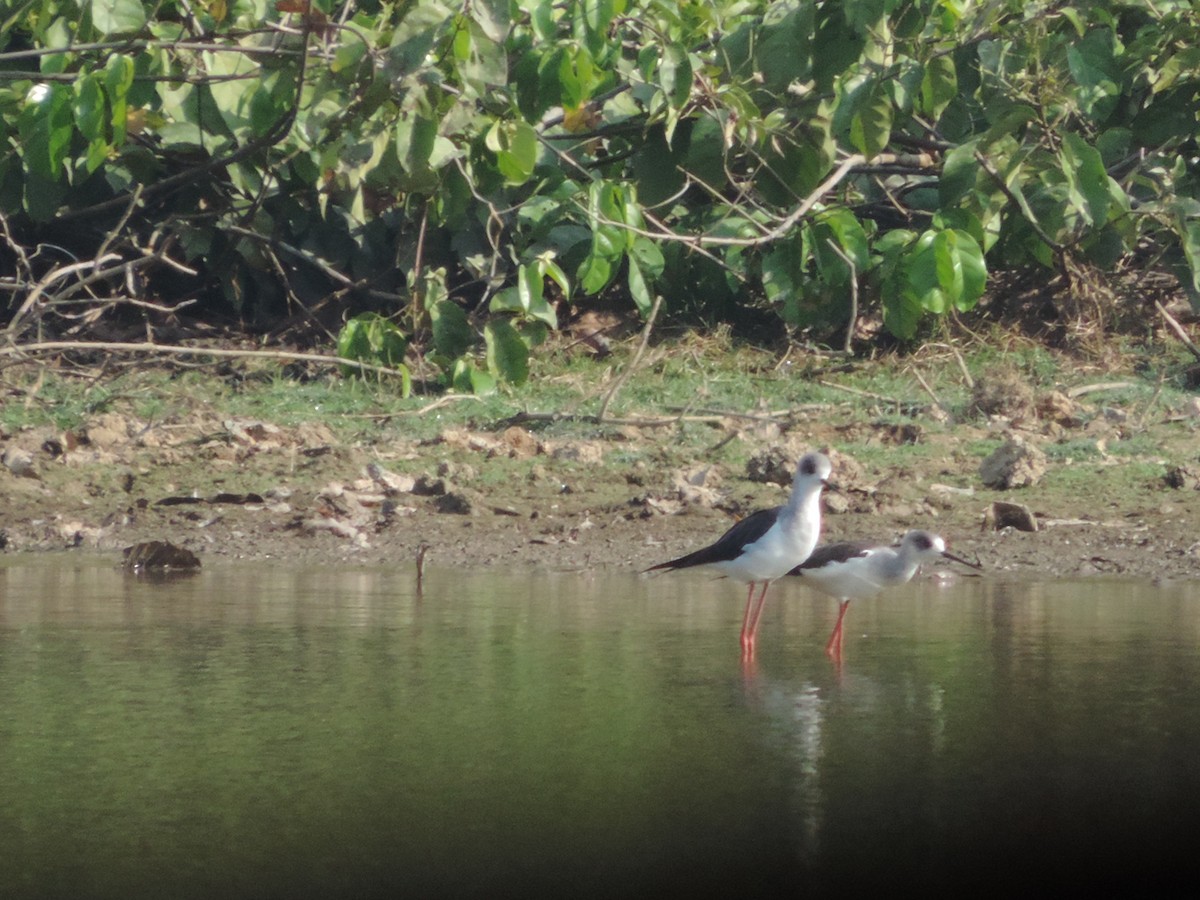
245 489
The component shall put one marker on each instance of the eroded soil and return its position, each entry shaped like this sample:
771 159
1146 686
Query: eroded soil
505 497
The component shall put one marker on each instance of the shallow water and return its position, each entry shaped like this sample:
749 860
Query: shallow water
291 731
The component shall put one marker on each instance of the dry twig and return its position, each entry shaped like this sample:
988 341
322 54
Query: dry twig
1178 329
1082 389
633 363
174 350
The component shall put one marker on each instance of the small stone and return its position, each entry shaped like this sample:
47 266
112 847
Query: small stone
1057 408
771 466
455 503
19 462
1002 515
1015 463
457 472
159 555
429 487
590 453
520 443
1182 478
835 504
1005 393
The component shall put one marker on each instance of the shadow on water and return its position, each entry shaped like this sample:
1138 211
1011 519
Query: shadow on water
297 731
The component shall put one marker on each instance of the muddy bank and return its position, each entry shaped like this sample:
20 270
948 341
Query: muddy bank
249 489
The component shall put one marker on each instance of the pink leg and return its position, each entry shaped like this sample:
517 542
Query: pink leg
833 649
762 601
747 636
750 619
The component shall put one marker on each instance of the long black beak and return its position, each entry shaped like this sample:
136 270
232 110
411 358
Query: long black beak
958 559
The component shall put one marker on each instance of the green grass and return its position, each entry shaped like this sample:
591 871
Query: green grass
1099 483
710 374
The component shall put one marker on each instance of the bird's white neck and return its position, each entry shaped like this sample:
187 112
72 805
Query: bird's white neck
800 508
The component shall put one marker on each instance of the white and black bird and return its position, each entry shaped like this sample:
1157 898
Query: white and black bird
767 544
855 570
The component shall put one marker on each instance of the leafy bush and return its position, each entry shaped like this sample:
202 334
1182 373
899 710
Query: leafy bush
472 170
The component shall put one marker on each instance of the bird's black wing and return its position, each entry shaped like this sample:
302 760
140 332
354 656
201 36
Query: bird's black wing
833 553
729 545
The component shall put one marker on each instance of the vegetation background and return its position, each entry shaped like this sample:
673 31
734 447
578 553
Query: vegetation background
445 184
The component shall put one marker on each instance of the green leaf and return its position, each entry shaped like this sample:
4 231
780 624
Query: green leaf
844 229
531 284
781 272
1113 145
481 382
1007 121
944 268
112 17
1187 270
542 19
375 339
492 17
871 123
902 314
466 378
348 56
554 271
576 77
506 300
606 215
482 61
460 376
939 85
1087 180
973 266
922 282
90 111
948 262
58 143
591 19
1072 15
533 332
416 136
97 155
264 111
960 170
863 15
515 144
595 273
414 38
507 355
452 333
1097 73
796 168
781 51
675 75
649 257
118 78
638 289
46 126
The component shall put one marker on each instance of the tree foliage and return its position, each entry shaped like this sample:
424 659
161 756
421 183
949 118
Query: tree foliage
471 169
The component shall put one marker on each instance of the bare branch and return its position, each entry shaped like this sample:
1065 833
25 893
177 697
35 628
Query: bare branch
54 276
174 350
602 415
853 293
785 225
318 263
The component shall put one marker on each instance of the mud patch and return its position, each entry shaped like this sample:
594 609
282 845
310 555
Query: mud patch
509 498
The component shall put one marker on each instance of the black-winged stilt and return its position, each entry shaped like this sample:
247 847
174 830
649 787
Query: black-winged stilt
767 544
855 570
